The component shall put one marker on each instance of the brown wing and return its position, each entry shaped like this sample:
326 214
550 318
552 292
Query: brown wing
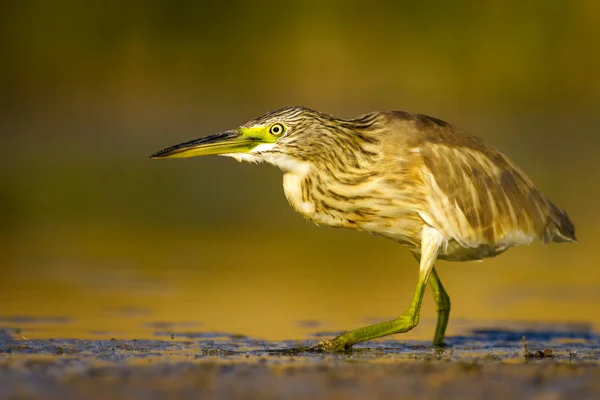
477 196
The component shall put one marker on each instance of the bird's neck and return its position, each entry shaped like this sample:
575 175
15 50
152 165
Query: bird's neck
296 175
288 164
294 187
323 198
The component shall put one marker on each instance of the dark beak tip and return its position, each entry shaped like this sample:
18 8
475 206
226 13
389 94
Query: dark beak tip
159 155
204 140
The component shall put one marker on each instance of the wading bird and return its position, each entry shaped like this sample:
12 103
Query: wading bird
417 180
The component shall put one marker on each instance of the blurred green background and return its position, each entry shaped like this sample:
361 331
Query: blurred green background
94 231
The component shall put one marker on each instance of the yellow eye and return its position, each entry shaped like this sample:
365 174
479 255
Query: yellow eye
276 129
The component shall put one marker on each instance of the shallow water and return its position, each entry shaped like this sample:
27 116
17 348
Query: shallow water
140 316
561 361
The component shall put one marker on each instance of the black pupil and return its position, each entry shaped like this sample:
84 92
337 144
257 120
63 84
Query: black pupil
276 129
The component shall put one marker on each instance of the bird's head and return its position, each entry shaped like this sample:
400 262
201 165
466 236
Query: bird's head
285 137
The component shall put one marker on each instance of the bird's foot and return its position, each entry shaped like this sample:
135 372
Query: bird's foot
336 345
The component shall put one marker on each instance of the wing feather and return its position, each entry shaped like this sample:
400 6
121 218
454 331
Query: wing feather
472 193
477 199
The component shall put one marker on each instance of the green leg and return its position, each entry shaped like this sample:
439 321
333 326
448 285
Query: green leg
442 305
430 247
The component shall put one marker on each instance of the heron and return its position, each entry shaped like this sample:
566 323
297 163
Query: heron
439 191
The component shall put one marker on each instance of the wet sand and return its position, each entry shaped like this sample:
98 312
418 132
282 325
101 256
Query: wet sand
558 362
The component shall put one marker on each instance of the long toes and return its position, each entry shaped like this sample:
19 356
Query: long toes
330 346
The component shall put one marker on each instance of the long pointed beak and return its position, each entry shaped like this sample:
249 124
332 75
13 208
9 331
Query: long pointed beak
220 143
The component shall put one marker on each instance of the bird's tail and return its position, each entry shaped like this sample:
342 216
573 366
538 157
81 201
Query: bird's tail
564 230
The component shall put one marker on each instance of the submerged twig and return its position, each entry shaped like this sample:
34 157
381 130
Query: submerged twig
547 353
